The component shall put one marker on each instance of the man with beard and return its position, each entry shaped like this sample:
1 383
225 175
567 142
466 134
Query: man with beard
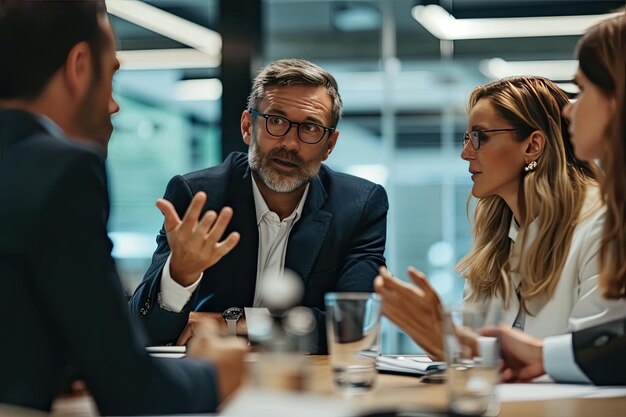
61 302
279 207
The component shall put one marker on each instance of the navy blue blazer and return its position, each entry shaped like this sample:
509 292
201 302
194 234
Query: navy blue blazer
337 245
61 301
600 352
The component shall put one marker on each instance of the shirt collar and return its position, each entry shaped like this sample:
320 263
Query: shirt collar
262 209
514 230
50 126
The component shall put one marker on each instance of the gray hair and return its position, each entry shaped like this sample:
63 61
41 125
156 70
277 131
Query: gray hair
286 72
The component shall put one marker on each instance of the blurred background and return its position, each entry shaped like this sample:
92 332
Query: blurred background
405 69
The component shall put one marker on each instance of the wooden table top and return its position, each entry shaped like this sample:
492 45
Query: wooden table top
393 392
404 392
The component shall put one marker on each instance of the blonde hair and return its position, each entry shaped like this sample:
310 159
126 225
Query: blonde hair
552 194
602 57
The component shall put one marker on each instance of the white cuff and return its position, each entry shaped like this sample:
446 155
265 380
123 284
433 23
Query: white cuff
173 296
559 362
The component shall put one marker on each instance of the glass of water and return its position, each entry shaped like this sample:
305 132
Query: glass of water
353 329
473 360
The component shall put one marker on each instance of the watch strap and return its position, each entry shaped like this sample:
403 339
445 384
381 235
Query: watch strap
232 327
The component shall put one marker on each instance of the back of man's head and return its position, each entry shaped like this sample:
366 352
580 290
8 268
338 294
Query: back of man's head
36 37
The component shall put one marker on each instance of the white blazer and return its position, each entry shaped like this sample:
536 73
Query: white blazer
576 302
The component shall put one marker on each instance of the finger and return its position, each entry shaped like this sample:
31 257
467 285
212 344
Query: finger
384 287
169 212
402 288
385 272
508 375
421 281
185 335
490 331
228 244
379 283
207 221
193 212
226 214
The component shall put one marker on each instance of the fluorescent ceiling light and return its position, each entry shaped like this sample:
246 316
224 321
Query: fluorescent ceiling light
356 18
199 90
445 26
167 59
555 70
167 24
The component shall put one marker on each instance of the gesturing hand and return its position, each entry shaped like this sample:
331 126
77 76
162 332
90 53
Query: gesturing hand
195 244
416 309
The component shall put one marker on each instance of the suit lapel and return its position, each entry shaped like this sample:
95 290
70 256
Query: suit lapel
243 262
309 233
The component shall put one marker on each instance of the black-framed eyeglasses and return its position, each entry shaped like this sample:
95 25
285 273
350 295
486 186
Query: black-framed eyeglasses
278 126
476 136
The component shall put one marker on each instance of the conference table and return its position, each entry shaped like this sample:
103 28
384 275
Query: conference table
405 392
394 392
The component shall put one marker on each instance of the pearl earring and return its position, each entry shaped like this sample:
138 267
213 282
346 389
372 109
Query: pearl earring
531 166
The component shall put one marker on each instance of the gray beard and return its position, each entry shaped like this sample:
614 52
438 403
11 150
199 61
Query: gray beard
272 179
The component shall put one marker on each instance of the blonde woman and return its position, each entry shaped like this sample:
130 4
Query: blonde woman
598 126
537 222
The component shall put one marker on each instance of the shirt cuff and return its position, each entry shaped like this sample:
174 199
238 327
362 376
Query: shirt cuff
559 362
173 296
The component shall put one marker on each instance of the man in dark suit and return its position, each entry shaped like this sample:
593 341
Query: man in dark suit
61 302
278 206
593 355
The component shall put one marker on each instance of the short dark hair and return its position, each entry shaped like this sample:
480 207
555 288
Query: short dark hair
36 37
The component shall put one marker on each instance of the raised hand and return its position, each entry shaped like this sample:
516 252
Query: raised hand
416 309
195 244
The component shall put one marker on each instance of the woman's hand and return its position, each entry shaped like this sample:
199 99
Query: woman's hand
416 309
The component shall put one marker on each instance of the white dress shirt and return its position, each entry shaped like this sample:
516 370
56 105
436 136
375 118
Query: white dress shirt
576 303
273 238
559 362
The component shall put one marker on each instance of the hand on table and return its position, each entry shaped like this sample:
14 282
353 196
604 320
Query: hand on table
215 319
225 353
522 354
416 309
195 244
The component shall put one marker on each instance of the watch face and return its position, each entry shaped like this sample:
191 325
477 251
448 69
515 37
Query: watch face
232 313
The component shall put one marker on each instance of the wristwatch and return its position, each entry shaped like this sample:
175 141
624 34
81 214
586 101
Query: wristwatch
232 315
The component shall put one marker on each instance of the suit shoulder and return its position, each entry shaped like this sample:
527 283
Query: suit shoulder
51 173
53 156
346 184
235 163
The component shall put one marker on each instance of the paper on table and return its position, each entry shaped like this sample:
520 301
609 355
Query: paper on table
413 364
538 391
166 349
170 352
261 403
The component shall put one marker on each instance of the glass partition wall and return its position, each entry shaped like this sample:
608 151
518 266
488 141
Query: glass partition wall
405 71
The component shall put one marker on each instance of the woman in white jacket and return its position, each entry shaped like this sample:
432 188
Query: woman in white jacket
537 223
598 126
